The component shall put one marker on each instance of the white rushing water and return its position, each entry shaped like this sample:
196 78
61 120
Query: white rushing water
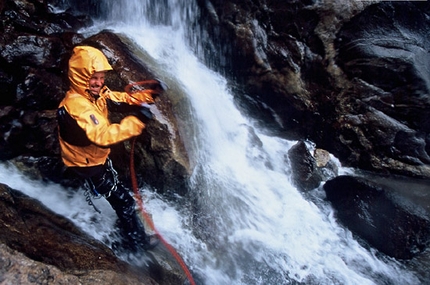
250 225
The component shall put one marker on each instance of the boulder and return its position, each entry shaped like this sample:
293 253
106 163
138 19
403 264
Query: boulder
391 222
308 171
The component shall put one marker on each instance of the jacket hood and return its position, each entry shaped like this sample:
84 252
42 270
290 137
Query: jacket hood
83 63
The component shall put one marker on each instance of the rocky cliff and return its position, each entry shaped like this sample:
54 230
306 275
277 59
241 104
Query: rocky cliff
351 76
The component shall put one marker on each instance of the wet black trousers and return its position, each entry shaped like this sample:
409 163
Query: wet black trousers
102 180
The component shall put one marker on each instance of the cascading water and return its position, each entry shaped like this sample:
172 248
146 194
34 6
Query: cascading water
247 224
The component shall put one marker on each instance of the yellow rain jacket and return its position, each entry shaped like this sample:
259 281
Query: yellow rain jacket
91 148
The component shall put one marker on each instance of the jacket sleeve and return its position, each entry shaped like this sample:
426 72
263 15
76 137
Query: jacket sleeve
98 128
116 96
137 98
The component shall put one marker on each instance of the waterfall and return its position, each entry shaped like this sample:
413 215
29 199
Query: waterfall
247 223
244 223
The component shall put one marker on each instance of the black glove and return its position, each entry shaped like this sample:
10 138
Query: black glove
144 114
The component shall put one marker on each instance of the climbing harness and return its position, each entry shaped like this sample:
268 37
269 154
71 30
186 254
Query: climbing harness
114 176
91 189
88 192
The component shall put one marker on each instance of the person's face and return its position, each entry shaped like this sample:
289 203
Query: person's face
97 81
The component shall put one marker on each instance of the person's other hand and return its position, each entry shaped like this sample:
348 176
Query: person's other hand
144 114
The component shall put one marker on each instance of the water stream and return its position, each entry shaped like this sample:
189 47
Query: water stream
244 222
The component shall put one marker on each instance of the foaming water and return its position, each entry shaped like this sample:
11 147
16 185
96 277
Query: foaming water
243 222
66 202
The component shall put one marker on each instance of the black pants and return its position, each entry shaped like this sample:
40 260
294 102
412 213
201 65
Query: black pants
102 180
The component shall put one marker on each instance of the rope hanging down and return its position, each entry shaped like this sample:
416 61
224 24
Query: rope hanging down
149 220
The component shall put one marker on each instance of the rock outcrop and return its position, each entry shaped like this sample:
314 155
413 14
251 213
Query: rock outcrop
351 76
37 245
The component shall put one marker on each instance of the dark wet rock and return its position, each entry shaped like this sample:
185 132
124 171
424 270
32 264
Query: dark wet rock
391 91
304 167
52 247
38 17
308 171
39 90
33 50
382 213
351 76
28 130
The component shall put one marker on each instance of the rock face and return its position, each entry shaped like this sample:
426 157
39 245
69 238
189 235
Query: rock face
375 212
37 245
351 76
392 90
55 250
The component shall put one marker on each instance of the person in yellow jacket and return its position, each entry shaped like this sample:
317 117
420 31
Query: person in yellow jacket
85 134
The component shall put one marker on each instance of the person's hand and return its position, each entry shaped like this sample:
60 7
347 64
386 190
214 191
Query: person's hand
144 114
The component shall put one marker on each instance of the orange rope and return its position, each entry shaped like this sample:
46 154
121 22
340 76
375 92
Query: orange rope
149 220
140 83
151 84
